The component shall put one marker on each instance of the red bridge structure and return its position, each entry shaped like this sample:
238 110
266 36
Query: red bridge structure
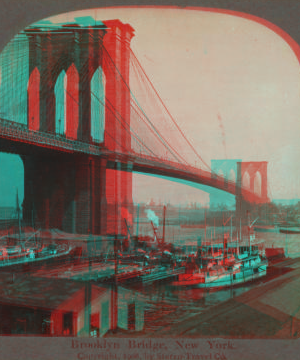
78 108
249 179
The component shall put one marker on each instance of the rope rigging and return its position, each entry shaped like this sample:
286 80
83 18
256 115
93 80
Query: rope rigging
151 128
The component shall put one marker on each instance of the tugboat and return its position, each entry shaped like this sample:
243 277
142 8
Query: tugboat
223 269
223 265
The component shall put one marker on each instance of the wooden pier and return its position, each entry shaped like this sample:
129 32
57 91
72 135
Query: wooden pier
103 272
158 274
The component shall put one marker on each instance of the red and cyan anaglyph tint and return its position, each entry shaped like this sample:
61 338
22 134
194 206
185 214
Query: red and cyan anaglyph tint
148 176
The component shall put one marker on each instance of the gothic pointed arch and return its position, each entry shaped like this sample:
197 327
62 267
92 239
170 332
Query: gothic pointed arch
72 102
221 175
257 183
98 83
33 91
231 176
60 91
246 180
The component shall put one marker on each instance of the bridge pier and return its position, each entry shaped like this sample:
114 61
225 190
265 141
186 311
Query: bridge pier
65 194
78 195
71 192
119 198
243 208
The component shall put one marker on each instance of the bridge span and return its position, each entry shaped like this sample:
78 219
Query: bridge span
17 138
86 131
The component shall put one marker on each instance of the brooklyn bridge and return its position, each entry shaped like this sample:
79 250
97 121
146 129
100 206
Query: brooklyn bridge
85 117
78 108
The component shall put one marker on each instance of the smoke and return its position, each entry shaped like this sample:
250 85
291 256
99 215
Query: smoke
126 215
152 217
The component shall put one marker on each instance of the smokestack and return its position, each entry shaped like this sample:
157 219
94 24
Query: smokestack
154 230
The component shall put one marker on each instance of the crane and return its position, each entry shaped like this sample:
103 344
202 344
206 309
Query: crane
154 230
249 229
128 232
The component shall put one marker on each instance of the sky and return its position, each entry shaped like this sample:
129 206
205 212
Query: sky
231 84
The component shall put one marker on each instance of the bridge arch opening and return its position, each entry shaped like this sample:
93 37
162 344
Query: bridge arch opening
257 183
72 102
14 81
60 90
221 175
98 84
33 93
231 176
246 180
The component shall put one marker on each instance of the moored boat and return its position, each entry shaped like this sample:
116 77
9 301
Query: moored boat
239 271
290 230
223 265
261 228
14 257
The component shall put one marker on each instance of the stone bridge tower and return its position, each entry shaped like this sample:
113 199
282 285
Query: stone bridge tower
79 90
252 187
251 184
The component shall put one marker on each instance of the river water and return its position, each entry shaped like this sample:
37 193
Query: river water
165 306
182 236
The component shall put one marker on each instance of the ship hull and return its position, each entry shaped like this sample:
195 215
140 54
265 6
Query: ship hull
230 279
24 264
290 230
188 280
271 229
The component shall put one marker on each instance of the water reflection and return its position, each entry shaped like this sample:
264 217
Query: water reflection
44 304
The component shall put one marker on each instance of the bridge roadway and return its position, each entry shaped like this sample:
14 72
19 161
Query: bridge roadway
16 138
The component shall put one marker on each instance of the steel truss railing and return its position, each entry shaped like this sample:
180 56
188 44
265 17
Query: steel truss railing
20 132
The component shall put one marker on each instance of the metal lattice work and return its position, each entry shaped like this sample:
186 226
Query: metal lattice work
143 129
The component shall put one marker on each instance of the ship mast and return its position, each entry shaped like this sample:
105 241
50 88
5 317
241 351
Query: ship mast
137 220
164 225
225 242
231 229
128 233
205 225
18 210
249 228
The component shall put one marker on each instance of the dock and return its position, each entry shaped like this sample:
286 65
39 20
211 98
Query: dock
268 310
105 271
158 274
